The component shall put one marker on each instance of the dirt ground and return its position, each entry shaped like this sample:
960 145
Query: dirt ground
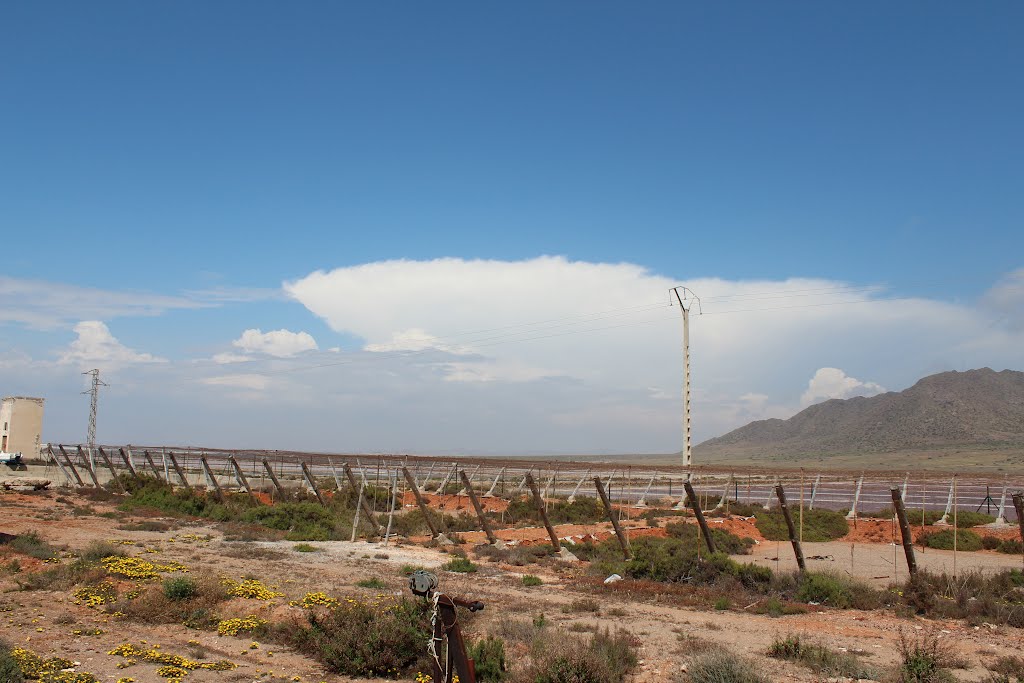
51 624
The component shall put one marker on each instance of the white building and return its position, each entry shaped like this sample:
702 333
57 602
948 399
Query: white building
21 425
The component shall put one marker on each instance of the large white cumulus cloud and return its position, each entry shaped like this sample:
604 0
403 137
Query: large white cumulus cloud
607 327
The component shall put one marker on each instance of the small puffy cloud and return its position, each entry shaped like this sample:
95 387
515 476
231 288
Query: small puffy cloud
276 343
834 383
95 345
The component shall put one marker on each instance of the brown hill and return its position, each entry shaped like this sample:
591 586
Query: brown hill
977 408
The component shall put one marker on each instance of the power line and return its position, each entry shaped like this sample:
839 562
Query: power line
94 395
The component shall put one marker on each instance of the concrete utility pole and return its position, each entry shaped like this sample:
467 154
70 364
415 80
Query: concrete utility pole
94 395
685 302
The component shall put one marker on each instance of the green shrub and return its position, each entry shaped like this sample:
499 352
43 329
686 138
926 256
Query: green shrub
971 595
725 541
10 672
721 666
30 544
531 580
180 588
722 603
818 525
371 583
305 548
836 590
362 639
459 564
1011 546
990 542
943 540
605 658
488 656
923 660
819 658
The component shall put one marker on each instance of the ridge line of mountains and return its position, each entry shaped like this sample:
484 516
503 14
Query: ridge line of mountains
976 408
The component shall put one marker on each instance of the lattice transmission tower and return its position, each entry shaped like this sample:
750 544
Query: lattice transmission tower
94 395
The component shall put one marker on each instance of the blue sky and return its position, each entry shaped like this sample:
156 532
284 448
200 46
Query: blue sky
215 152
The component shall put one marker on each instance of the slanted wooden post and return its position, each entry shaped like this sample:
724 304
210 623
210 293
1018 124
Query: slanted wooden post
539 502
60 465
70 464
623 541
367 510
88 466
419 501
152 465
491 538
240 476
128 462
312 484
781 495
908 541
177 468
273 477
699 514
213 480
110 466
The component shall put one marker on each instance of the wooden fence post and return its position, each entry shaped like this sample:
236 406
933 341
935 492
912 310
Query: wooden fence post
539 502
367 510
70 464
240 476
273 477
152 465
419 501
177 468
908 541
110 466
88 467
128 462
780 493
623 541
699 514
213 480
312 483
491 538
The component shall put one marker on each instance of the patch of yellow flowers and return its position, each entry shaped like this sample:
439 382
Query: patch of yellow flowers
53 670
311 600
136 568
174 666
94 596
252 589
232 627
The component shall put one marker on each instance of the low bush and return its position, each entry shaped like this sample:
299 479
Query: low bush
583 605
837 590
10 672
990 542
923 660
966 540
818 525
362 638
30 544
583 510
194 606
722 666
531 580
305 548
1011 546
488 655
725 541
996 598
371 583
607 657
459 564
819 658
180 588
